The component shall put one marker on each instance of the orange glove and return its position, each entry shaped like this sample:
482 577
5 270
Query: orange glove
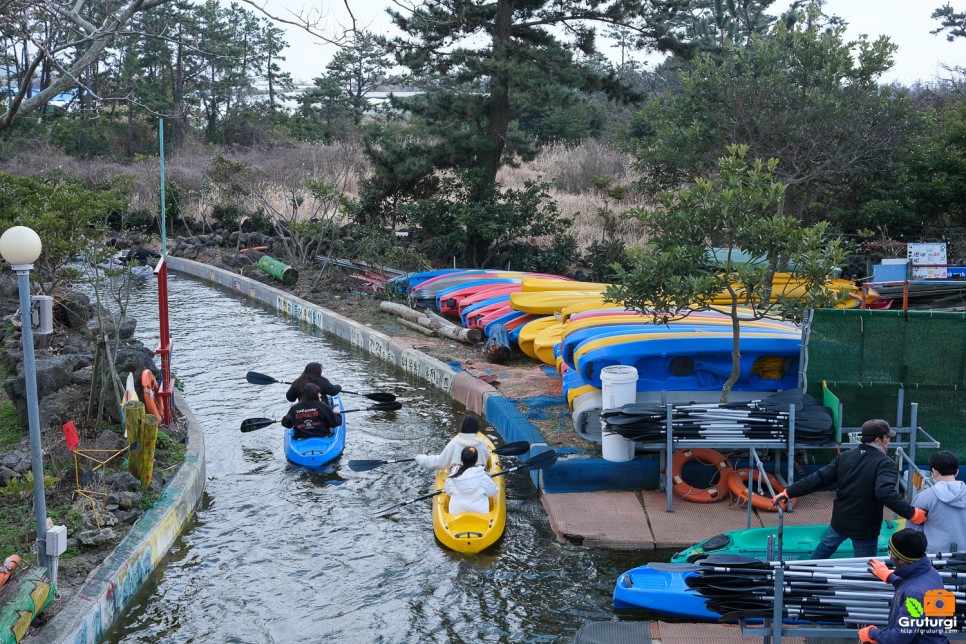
919 516
880 570
781 497
865 634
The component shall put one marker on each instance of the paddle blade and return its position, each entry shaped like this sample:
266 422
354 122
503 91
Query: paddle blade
255 378
386 406
381 396
365 465
517 448
541 461
251 424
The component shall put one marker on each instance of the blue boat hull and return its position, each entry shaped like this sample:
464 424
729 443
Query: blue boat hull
316 453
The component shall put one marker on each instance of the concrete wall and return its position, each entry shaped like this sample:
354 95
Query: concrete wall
93 609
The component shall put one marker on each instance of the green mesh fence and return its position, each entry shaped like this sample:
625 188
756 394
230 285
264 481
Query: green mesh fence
866 356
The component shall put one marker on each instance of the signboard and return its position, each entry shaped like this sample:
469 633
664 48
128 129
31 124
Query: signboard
922 255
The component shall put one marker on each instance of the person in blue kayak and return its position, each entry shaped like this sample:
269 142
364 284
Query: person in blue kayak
310 417
866 481
469 487
451 454
945 503
921 605
311 375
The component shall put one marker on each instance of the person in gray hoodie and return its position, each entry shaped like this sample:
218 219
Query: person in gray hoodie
945 503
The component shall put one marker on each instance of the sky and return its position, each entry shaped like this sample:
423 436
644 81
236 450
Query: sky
906 22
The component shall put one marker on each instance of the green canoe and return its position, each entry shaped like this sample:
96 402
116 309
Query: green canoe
798 542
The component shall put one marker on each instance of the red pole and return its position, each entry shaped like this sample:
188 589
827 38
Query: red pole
164 346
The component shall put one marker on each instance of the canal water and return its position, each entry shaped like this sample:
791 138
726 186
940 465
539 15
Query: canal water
278 554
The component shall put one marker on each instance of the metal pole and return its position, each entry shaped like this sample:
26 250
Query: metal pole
164 227
33 412
669 484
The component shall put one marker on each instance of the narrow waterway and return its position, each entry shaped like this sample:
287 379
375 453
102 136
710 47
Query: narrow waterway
278 554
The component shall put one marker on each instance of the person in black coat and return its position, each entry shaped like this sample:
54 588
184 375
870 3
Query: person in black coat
310 417
311 375
866 480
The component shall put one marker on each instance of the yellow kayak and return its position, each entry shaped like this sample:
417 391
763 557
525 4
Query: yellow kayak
529 332
545 341
470 531
537 284
549 302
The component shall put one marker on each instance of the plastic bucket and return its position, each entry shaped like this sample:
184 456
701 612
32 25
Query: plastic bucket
619 388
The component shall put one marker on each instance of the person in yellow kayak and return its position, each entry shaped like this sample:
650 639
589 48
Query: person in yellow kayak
451 454
469 486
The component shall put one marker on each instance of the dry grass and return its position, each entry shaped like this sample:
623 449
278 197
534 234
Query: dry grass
276 174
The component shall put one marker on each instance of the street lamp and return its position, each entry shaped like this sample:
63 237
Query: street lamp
20 246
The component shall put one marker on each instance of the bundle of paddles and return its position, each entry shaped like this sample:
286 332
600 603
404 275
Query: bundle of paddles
766 419
911 589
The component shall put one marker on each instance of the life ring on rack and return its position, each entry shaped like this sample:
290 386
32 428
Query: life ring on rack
152 401
738 484
708 457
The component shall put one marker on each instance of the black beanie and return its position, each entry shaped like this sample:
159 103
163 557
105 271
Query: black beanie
908 545
470 425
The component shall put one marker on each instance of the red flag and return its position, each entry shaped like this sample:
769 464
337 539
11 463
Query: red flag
70 433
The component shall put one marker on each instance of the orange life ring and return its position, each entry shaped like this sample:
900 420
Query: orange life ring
709 457
9 565
738 484
152 402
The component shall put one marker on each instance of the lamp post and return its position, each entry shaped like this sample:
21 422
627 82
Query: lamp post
20 246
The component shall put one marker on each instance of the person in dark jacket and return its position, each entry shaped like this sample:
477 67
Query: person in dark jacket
142 255
914 578
866 480
311 375
310 416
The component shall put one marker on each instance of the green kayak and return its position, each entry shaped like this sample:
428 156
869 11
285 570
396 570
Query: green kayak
798 542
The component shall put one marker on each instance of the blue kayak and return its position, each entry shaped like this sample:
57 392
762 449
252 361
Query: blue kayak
665 593
315 453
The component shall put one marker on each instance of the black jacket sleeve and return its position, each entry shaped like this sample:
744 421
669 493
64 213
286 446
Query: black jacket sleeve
288 420
815 481
885 489
328 389
292 394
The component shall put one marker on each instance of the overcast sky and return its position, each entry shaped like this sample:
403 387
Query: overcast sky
906 22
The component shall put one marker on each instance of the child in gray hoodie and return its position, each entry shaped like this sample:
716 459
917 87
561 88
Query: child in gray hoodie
945 505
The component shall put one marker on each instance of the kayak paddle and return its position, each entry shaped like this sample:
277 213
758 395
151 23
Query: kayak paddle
251 424
255 378
510 449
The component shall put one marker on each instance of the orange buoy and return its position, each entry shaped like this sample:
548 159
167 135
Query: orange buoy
152 401
9 565
738 484
708 457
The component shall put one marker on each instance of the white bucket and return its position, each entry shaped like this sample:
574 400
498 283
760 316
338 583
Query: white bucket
619 388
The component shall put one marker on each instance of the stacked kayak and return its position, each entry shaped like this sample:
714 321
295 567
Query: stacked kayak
316 452
471 532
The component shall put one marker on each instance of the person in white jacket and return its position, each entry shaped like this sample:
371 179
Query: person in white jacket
450 455
945 503
469 486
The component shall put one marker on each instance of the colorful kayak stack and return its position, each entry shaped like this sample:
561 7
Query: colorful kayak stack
568 325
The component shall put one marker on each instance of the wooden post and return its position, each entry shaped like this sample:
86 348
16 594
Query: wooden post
149 437
133 420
